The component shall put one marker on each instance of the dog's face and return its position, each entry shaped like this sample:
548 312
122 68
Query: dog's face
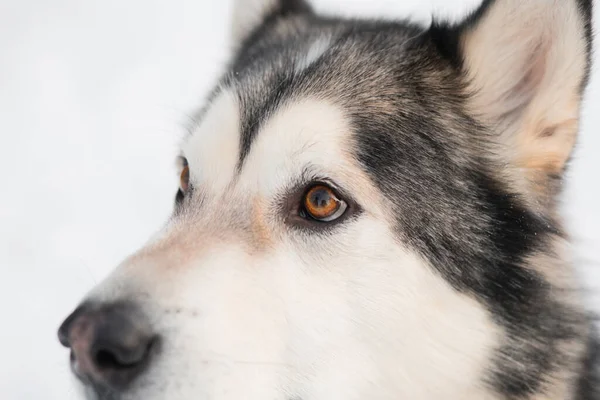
366 211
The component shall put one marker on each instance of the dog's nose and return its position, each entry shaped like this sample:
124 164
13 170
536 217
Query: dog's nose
110 345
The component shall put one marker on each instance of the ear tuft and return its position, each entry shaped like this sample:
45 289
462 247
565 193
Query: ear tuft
249 15
526 64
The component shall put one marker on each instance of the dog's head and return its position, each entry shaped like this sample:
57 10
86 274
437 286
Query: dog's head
367 210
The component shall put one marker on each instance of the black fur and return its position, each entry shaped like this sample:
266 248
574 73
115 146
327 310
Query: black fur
589 383
476 235
446 36
586 8
451 207
404 92
283 11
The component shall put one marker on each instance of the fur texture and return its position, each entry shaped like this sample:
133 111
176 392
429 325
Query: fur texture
449 275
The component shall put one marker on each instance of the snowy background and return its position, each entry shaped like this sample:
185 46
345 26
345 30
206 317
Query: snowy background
94 96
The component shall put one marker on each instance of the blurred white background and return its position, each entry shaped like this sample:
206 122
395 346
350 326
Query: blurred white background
94 96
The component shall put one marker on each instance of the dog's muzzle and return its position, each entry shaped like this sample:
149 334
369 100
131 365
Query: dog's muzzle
111 345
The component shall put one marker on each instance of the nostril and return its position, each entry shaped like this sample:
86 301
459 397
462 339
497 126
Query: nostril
106 360
110 344
122 358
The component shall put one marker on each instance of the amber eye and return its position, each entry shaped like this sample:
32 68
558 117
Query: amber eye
321 203
184 179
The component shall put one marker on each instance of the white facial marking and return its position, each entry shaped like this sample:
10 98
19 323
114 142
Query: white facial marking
213 149
348 315
307 133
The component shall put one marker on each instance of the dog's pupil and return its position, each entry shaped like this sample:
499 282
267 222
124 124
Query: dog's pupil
321 198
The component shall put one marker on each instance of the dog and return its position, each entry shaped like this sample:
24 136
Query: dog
367 209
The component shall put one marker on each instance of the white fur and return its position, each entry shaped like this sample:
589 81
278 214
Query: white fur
542 40
251 308
352 315
213 150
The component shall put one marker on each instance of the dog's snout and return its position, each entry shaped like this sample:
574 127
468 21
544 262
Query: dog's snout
110 345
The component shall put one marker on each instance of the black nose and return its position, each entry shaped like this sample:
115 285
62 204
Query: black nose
110 345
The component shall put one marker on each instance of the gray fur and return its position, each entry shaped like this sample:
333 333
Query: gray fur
405 89
407 96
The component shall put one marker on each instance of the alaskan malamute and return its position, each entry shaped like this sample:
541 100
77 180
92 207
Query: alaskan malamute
367 211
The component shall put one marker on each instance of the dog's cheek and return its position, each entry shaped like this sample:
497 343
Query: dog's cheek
362 304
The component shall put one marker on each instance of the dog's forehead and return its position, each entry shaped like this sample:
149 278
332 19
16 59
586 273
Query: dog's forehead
261 153
278 112
341 103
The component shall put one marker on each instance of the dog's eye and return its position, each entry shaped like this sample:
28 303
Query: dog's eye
322 204
184 179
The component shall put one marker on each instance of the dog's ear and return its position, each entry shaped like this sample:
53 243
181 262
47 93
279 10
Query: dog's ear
249 15
526 64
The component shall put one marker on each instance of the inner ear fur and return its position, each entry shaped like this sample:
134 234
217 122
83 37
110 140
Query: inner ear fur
525 64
